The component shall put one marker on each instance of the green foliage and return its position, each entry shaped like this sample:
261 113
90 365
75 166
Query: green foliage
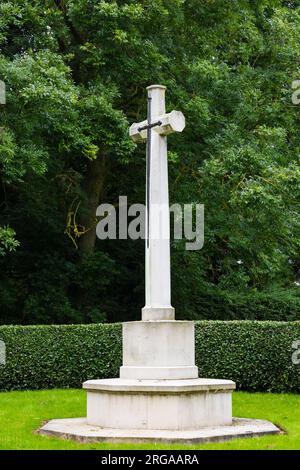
75 75
46 300
58 356
212 303
256 355
7 240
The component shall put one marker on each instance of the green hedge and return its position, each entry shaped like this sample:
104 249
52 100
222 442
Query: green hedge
49 356
256 355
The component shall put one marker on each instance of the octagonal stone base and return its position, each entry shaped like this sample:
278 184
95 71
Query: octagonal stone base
159 404
78 429
186 411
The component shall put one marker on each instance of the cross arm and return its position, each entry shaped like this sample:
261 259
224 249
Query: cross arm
169 123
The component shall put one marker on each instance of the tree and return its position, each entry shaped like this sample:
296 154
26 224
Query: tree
76 73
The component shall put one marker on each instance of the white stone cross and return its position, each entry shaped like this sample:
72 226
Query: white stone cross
157 272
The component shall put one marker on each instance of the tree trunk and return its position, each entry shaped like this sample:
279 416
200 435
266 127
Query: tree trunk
93 186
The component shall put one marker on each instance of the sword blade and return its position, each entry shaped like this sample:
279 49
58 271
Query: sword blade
148 167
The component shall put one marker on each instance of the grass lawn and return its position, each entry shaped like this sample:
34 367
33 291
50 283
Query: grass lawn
21 413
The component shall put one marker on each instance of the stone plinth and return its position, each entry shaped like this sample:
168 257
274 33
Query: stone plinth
159 404
144 408
78 429
158 350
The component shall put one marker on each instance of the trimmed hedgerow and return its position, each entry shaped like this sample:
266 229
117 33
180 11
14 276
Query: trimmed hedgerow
51 356
256 355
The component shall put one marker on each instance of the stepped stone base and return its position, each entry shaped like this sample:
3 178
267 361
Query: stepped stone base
159 404
78 429
158 396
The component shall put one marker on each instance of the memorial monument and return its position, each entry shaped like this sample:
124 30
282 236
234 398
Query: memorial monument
158 395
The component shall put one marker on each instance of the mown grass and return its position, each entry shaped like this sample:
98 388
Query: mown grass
22 413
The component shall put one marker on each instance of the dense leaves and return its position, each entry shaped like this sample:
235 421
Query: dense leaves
75 74
256 355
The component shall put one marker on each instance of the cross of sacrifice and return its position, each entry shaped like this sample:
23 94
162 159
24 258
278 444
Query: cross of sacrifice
154 130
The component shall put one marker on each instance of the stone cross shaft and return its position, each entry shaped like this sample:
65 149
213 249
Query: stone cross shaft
157 271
